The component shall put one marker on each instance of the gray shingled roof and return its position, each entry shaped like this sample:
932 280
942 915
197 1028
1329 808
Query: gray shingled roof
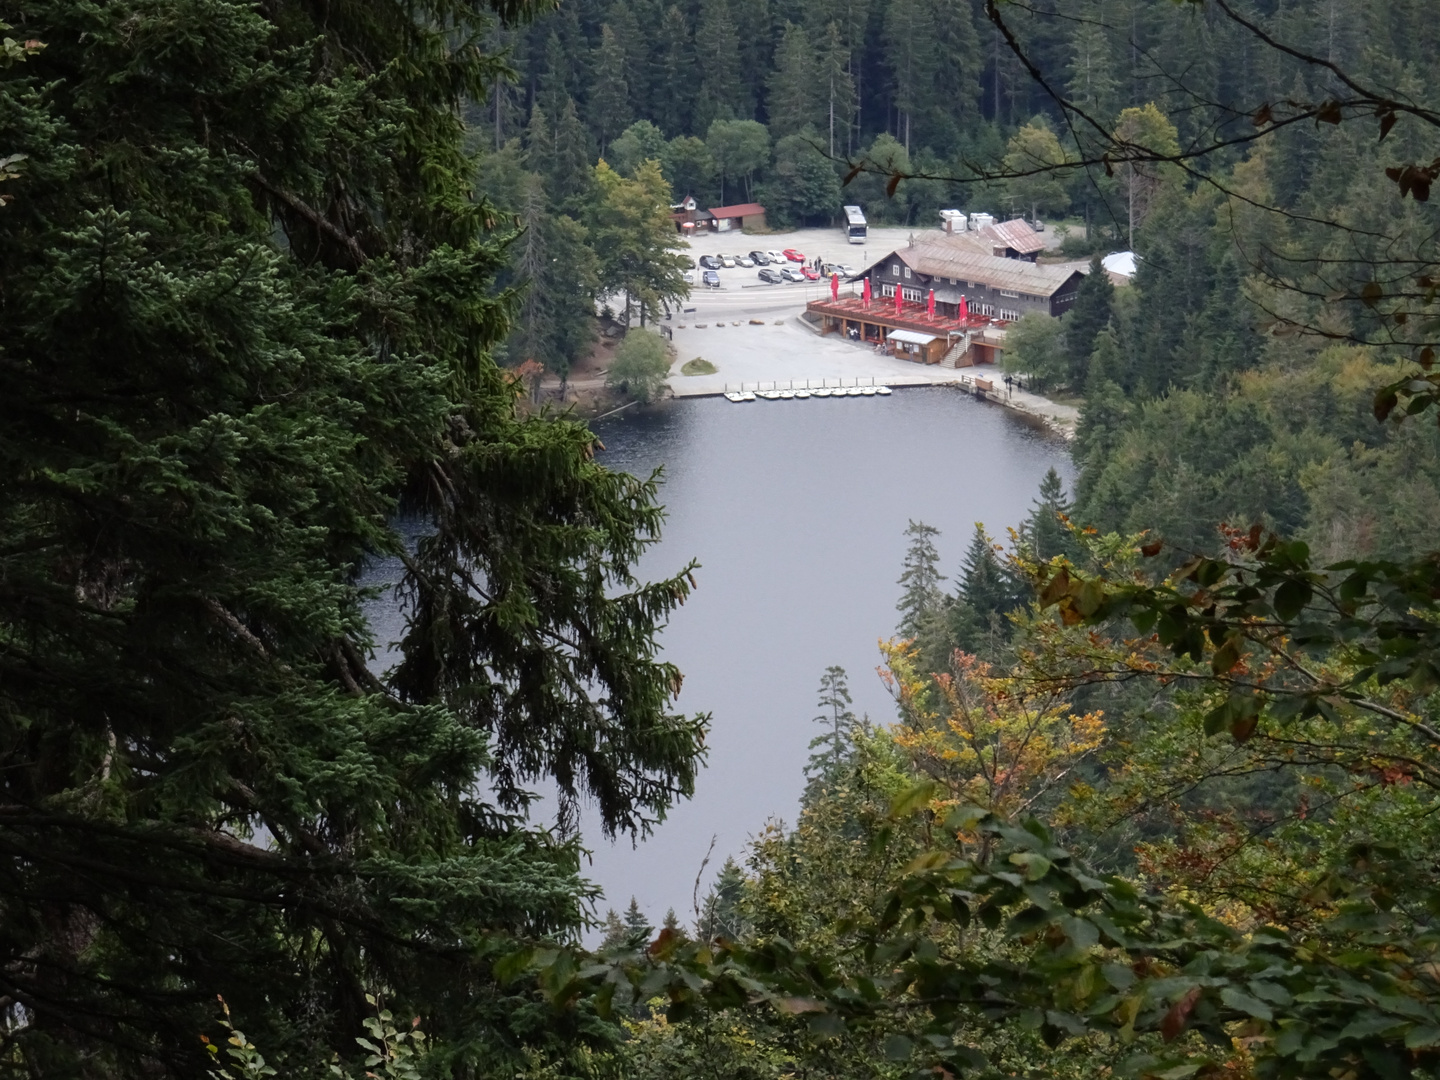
956 257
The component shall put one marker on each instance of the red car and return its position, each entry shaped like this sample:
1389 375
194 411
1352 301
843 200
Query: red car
793 255
811 274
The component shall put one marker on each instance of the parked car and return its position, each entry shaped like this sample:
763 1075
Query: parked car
770 277
745 261
810 273
689 277
791 274
1038 225
776 256
830 268
710 262
711 279
727 261
846 271
793 255
761 259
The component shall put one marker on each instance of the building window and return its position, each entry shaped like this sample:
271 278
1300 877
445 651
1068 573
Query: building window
894 269
887 290
987 310
913 295
1009 315
907 273
1007 292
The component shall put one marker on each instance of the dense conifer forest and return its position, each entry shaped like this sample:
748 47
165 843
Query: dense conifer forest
1157 797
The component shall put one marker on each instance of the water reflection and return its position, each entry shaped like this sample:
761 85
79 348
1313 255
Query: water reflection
796 511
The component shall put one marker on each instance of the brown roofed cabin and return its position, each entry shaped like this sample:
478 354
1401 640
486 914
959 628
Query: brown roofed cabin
740 216
1015 239
993 286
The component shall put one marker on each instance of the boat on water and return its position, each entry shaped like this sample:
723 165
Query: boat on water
883 391
770 395
853 391
735 396
868 391
749 395
802 393
787 395
824 391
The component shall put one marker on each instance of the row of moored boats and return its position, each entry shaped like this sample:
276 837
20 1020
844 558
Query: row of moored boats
738 396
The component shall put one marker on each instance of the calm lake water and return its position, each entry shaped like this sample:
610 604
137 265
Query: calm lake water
796 511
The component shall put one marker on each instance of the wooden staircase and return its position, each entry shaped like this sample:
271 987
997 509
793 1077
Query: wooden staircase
952 358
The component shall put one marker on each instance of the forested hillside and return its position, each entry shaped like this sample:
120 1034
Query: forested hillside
1158 795
1211 669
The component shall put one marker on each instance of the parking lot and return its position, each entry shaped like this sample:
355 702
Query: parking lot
778 347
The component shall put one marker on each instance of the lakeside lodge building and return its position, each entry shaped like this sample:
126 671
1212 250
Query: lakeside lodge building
995 291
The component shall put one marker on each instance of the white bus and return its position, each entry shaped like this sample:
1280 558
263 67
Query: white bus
855 224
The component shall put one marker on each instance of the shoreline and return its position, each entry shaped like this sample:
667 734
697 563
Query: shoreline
1053 417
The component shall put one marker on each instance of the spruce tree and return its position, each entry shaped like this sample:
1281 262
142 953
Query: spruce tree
637 926
829 750
560 275
722 915
908 39
557 79
1043 533
569 177
794 103
953 103
539 142
1094 302
920 579
616 934
248 311
610 94
832 64
674 79
717 52
1090 76
984 583
634 38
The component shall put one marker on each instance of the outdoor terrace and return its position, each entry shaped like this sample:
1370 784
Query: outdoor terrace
914 317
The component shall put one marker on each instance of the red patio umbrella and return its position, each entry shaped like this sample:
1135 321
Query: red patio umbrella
866 294
930 306
899 300
964 310
834 286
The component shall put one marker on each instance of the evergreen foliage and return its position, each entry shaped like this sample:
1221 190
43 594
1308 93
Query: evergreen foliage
1044 532
829 750
247 320
610 108
722 915
920 578
1094 301
793 102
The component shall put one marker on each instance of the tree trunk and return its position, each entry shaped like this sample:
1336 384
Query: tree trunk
1130 233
